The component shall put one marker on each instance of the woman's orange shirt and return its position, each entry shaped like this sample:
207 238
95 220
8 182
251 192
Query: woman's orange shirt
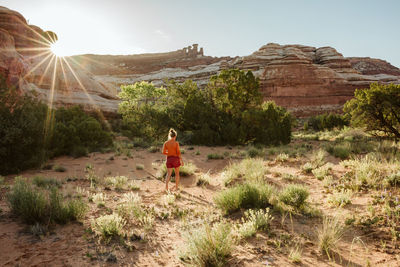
171 148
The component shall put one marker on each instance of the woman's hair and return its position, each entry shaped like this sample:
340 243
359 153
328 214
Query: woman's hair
172 133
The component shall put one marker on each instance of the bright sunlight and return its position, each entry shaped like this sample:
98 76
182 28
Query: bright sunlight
60 50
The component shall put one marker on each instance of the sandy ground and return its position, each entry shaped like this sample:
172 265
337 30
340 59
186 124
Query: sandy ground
73 245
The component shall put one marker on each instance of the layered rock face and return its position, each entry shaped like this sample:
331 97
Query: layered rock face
306 80
27 64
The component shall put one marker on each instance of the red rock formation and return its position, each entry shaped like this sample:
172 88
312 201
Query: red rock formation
372 66
305 79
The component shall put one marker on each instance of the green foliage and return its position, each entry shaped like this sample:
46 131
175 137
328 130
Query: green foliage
294 195
251 170
245 196
326 122
22 121
228 111
377 109
45 182
30 132
74 130
108 226
38 206
215 156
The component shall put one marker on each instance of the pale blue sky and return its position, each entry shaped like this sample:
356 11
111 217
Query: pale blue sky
353 27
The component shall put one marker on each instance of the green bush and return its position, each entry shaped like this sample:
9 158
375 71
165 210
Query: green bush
228 111
43 206
376 108
30 132
326 122
294 195
75 131
22 142
245 196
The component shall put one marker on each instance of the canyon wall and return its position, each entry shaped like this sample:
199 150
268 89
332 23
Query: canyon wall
306 80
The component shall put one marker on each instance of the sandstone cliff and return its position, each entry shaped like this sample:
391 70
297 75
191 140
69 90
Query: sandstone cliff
305 79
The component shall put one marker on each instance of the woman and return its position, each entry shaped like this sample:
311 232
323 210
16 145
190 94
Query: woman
174 159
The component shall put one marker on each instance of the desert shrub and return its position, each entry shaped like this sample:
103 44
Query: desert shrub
215 156
204 179
282 157
109 226
22 139
46 182
329 234
252 170
131 206
75 130
30 132
139 166
376 108
99 199
119 182
393 179
322 171
254 152
228 111
294 195
154 149
245 196
168 199
253 221
318 159
340 199
209 246
37 206
59 168
307 167
326 121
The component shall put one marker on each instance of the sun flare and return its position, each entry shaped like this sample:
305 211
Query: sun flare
59 50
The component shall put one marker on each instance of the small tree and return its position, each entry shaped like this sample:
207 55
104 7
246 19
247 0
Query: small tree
377 109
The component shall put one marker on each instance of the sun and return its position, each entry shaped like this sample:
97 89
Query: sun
59 50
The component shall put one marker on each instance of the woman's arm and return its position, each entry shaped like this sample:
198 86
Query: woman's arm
164 150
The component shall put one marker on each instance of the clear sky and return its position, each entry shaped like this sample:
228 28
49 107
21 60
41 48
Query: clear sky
222 27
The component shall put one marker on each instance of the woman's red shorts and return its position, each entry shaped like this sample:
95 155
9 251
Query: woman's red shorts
173 162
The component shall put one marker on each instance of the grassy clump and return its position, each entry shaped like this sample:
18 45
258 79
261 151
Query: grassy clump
340 199
215 156
43 206
282 157
392 180
294 195
45 182
341 150
251 170
59 168
99 199
321 172
204 179
131 206
245 196
109 226
119 182
329 234
209 246
253 221
295 254
139 166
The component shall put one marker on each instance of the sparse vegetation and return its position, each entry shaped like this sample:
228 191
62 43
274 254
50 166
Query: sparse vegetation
340 199
139 166
109 226
215 156
45 182
251 170
209 246
329 234
43 206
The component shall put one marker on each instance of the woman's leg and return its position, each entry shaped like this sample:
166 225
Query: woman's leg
177 177
169 173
